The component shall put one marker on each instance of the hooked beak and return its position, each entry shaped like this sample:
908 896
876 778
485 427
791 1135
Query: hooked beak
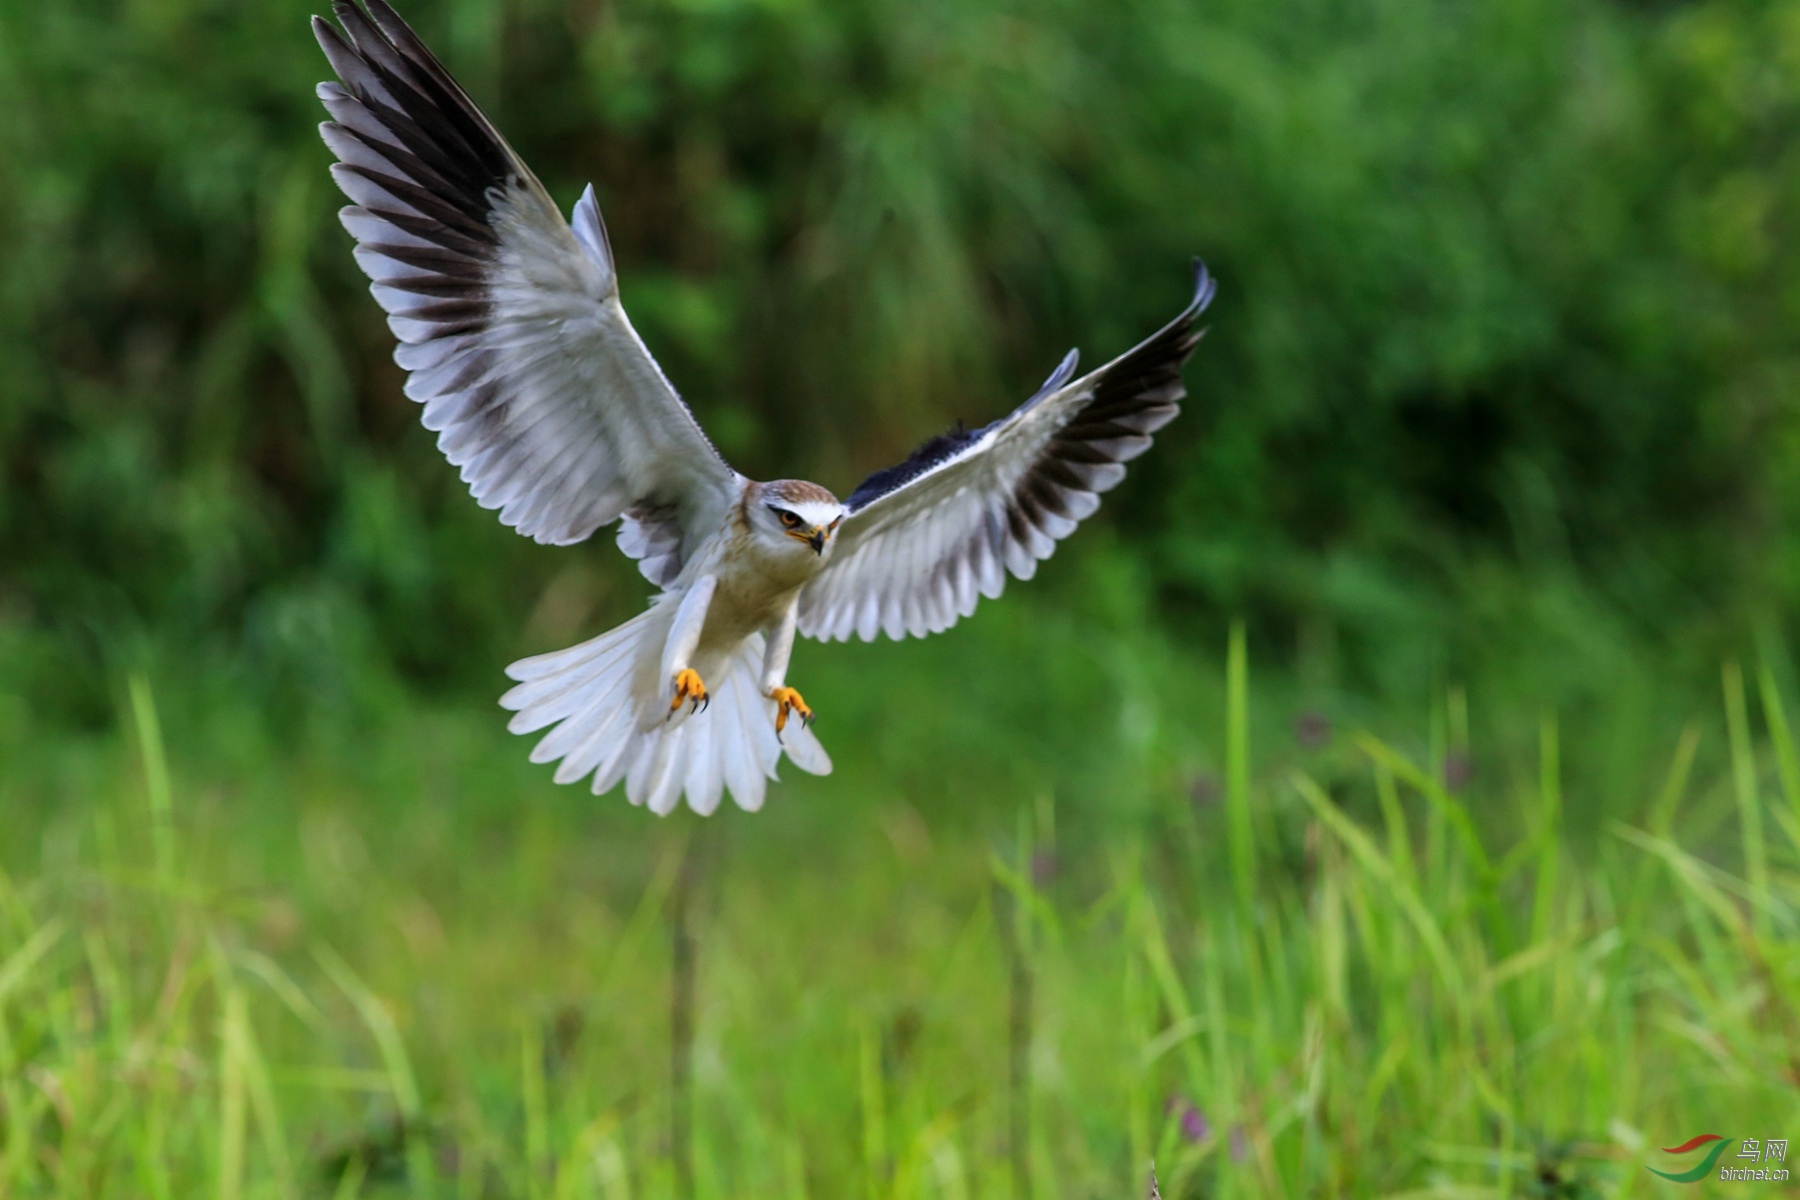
813 537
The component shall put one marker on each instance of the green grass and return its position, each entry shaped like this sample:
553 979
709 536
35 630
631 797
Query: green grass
397 961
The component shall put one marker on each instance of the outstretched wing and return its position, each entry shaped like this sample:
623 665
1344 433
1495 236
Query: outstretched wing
509 320
924 540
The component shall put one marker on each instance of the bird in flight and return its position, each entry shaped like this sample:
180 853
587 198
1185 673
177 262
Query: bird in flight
539 389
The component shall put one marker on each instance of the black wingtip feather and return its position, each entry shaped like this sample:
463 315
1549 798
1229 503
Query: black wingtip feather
443 158
394 26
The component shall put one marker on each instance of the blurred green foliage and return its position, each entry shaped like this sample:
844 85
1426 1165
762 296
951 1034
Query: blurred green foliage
1498 381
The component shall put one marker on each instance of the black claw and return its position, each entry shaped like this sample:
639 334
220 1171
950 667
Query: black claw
706 702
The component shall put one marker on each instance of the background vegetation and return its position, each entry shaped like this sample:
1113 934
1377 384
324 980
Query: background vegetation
1492 448
1501 360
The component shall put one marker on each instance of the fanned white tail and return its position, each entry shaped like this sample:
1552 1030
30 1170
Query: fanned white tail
611 715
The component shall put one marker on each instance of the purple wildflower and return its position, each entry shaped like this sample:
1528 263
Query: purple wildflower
1193 1123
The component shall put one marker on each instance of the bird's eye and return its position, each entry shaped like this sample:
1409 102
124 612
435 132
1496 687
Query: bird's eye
790 520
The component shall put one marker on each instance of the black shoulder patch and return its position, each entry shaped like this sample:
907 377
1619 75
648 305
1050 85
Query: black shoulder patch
935 450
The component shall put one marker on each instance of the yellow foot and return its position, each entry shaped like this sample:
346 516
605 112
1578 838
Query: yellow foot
788 700
688 687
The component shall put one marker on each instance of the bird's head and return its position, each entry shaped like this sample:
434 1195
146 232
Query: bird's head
791 514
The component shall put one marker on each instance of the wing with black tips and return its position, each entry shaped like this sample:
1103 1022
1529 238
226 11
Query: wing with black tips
509 320
924 540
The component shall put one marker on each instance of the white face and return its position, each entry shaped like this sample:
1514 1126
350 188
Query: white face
805 525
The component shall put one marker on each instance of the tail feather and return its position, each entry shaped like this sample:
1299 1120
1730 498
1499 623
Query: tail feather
742 769
594 696
556 685
593 752
651 779
559 662
540 697
605 703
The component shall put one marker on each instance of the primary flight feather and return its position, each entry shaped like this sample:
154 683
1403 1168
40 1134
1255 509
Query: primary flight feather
540 390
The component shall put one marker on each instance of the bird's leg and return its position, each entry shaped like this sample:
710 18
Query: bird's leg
775 664
788 700
684 638
689 686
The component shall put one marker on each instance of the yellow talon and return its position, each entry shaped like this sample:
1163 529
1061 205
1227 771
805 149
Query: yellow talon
788 700
688 687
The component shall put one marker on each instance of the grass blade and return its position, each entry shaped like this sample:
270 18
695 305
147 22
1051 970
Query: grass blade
156 778
537 1122
1434 793
1743 778
232 1107
18 964
1781 738
1549 827
1237 766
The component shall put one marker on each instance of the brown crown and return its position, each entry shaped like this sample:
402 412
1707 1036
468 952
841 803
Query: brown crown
798 491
